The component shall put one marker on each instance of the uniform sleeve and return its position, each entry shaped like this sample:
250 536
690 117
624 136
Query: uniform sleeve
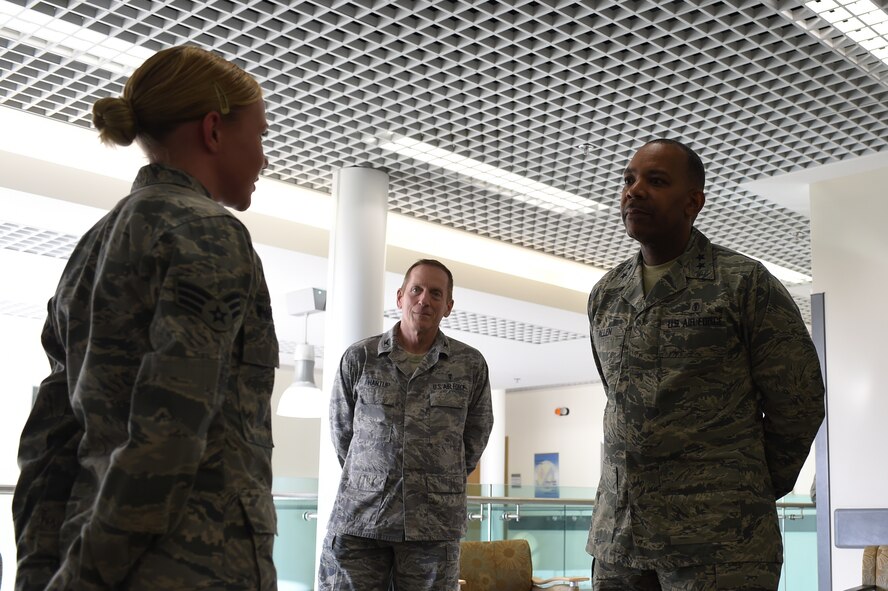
479 418
342 403
200 277
786 372
48 460
591 307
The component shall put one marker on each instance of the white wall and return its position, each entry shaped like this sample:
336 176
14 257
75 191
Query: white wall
849 240
296 441
533 427
24 366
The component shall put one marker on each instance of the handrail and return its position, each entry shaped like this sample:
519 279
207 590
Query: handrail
7 489
591 502
295 496
531 500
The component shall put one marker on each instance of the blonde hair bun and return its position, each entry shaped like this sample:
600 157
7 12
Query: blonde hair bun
115 120
175 85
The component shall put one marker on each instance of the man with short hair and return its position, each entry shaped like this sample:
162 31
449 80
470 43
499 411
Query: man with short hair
714 396
410 414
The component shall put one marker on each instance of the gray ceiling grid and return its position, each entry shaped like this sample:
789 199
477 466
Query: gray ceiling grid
559 92
36 240
502 328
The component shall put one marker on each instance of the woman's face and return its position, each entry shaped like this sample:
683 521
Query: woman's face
241 156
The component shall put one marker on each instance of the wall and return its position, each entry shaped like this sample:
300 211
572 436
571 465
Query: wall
533 427
849 243
23 367
296 441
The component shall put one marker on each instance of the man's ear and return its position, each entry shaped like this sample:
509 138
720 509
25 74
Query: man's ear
210 132
696 200
449 309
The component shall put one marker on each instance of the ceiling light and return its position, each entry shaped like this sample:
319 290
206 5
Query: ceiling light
501 181
45 32
303 399
861 21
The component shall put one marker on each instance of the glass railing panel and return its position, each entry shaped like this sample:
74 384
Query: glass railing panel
556 529
577 521
557 537
798 525
294 547
477 524
557 533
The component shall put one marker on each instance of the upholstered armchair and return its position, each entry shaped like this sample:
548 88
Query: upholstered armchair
875 569
505 565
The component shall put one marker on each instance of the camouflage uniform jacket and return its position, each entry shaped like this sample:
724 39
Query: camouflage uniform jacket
714 395
146 461
407 443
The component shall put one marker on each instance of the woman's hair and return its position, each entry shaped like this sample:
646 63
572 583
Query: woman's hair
174 85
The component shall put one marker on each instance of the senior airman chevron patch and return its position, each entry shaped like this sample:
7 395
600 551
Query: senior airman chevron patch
219 313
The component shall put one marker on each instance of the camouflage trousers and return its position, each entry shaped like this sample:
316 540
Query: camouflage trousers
735 576
350 563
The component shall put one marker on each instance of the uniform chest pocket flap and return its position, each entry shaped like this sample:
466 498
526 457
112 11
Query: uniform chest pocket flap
697 342
448 398
378 396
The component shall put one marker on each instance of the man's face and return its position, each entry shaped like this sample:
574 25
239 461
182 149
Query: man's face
424 299
659 202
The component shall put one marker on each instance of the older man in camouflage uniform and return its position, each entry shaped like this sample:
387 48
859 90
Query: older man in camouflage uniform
410 415
714 397
146 461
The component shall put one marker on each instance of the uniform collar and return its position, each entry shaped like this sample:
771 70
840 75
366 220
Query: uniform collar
441 346
155 174
695 263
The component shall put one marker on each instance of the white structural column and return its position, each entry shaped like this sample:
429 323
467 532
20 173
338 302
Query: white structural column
493 462
355 285
848 245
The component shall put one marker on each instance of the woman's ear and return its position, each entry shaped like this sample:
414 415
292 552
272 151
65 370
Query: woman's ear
210 131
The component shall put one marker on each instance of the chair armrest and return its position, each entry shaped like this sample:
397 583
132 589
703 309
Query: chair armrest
572 582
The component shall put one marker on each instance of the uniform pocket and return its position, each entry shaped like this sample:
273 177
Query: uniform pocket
703 518
250 529
362 498
255 382
692 342
447 500
702 502
604 515
447 417
376 396
375 415
448 399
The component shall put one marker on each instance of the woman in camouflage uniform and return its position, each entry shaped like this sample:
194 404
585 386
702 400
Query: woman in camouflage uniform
146 461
